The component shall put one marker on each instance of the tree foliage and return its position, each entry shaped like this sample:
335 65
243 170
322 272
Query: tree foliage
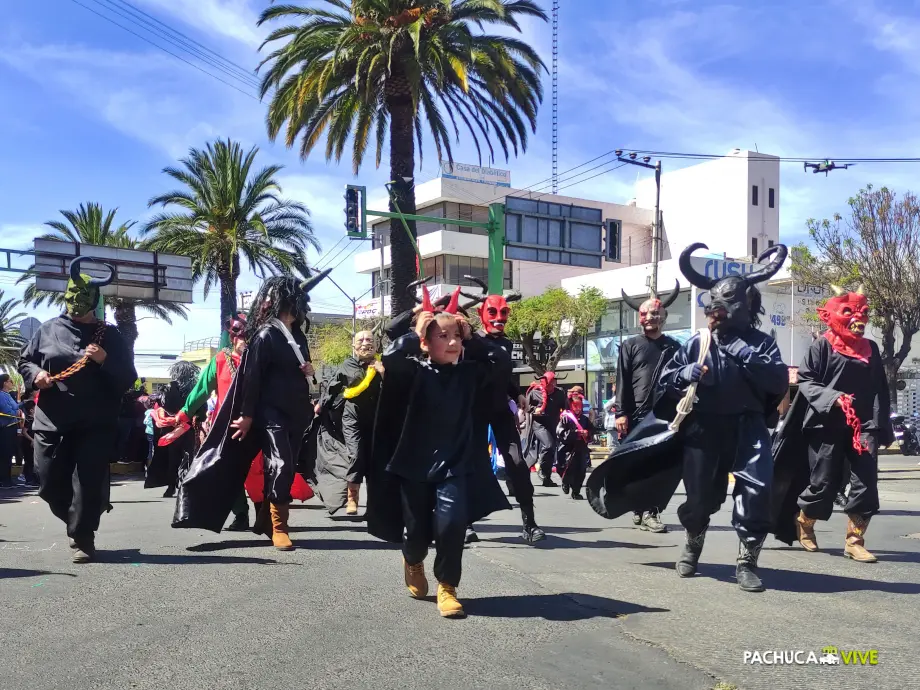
556 315
360 70
90 224
10 340
230 212
877 245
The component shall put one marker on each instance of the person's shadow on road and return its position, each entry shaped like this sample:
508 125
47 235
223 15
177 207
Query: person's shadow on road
6 573
135 557
553 607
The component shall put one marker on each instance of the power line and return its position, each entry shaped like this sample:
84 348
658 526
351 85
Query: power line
325 256
165 50
132 15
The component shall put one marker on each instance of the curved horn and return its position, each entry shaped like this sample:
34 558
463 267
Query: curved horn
426 300
454 303
669 300
514 297
633 303
838 291
861 290
93 282
690 273
414 284
480 282
314 280
771 269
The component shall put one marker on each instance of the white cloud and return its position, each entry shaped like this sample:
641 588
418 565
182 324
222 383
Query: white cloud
234 19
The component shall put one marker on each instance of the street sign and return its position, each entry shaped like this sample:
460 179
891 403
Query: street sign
28 327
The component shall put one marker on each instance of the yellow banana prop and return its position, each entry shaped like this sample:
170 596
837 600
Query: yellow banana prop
354 392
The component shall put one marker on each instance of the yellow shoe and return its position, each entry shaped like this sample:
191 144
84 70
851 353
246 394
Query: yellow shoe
447 602
855 546
806 530
351 507
280 538
416 580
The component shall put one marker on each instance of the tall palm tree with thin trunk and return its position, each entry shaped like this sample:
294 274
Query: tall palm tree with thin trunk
355 68
90 224
230 213
10 340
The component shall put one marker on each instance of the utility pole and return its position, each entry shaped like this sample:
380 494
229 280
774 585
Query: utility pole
381 279
656 226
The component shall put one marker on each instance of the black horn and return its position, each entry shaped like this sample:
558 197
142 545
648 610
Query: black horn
630 301
514 297
690 273
669 300
93 282
314 280
771 269
480 282
414 284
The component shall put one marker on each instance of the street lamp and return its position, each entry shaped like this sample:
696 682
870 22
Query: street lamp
656 228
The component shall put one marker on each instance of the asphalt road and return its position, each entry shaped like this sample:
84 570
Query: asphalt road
598 604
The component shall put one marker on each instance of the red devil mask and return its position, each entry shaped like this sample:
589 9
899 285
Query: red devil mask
550 379
846 316
236 326
652 312
494 313
576 403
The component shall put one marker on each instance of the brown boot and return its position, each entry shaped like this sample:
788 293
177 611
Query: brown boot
448 606
280 537
416 580
806 529
351 508
855 546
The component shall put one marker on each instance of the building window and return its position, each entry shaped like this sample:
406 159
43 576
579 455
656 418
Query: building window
754 191
771 198
770 243
754 247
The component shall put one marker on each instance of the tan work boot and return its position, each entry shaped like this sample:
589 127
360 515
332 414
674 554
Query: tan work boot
855 546
280 537
806 529
448 605
351 507
416 580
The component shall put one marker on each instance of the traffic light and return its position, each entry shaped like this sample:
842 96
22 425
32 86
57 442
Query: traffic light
354 211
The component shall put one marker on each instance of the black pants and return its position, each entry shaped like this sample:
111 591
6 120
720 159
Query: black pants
280 440
504 428
73 468
28 459
829 450
715 446
576 467
8 442
546 453
435 511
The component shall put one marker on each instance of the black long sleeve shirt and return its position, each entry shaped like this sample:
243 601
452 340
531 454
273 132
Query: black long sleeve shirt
638 361
272 374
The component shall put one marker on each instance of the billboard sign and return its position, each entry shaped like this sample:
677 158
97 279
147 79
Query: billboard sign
476 173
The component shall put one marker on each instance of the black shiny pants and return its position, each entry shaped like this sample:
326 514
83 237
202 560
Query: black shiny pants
504 428
546 449
280 439
829 453
438 512
715 446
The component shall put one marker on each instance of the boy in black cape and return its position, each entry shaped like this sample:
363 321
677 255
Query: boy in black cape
574 434
430 474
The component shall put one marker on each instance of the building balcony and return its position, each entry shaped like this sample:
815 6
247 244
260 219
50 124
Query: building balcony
432 244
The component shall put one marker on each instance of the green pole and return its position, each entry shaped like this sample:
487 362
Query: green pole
496 278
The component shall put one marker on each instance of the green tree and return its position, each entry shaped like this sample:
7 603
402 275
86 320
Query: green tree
90 224
10 340
558 316
396 67
230 212
878 246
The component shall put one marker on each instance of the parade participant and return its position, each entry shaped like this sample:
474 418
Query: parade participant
574 434
269 411
546 402
172 449
346 425
430 474
638 368
494 311
82 367
840 416
216 378
9 427
741 381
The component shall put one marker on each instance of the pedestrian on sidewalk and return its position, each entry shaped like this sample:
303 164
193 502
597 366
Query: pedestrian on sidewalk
9 428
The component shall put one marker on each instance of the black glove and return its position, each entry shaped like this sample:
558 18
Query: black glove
692 373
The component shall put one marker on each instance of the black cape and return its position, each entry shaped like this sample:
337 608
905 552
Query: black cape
167 461
384 503
218 471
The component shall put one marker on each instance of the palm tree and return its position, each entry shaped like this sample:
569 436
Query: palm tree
10 340
230 212
89 224
364 66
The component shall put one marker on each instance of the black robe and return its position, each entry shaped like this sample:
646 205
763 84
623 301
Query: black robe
638 367
822 377
164 466
267 387
424 431
83 406
574 450
542 424
341 435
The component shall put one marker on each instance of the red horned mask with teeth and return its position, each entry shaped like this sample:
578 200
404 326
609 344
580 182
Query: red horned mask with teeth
846 316
494 313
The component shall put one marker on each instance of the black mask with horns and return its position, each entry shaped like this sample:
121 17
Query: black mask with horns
736 296
281 294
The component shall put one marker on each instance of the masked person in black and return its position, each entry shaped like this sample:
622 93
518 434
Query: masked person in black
638 368
546 403
172 449
740 383
346 426
81 367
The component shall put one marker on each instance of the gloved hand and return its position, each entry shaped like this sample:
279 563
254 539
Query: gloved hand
692 373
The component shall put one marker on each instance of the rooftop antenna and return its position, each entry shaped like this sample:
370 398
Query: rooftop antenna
555 178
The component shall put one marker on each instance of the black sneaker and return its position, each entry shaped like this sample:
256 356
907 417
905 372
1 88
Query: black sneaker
550 484
576 495
471 536
565 488
169 493
240 524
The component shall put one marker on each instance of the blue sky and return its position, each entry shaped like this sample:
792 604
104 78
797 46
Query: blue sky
91 112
